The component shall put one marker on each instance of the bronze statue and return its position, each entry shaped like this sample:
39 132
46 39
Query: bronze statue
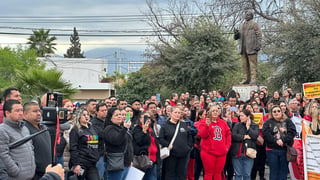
249 36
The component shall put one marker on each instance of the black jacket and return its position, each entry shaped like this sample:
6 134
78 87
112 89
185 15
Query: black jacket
117 139
128 155
98 125
183 142
50 176
238 132
83 146
142 141
42 147
271 133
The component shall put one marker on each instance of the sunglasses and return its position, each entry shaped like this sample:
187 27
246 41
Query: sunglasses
276 111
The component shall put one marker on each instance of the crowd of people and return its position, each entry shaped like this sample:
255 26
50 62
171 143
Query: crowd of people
209 134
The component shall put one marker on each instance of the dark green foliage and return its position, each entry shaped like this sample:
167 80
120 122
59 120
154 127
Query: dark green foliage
298 61
12 60
200 61
139 85
75 50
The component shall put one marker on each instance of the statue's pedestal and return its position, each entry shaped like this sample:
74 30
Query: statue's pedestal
245 89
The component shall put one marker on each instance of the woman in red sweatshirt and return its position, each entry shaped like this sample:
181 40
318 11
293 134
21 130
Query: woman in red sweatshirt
215 137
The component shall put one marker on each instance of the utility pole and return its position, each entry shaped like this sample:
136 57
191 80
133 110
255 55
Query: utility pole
120 60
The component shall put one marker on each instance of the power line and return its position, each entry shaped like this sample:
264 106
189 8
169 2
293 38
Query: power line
84 30
93 44
88 35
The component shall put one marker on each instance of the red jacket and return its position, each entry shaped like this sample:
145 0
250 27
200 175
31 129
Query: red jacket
215 138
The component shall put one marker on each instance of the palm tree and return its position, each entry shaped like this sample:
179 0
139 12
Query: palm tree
41 41
37 81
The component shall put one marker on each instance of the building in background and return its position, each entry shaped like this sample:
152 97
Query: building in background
84 74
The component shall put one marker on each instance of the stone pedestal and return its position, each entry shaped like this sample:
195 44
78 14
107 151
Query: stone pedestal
245 89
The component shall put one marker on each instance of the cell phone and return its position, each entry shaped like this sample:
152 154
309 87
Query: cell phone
81 171
224 112
145 119
127 117
233 109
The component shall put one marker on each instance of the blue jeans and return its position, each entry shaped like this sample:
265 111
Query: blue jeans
125 173
60 160
151 173
242 167
101 168
278 164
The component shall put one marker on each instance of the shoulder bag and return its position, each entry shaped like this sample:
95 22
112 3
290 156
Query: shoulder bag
165 151
115 161
292 154
250 152
142 162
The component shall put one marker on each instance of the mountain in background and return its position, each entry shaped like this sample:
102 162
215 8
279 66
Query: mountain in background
119 59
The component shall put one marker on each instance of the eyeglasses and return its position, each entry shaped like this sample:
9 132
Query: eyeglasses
276 111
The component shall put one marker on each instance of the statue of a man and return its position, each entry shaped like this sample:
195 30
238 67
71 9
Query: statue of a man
249 36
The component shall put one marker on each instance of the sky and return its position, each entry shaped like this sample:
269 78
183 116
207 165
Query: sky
100 23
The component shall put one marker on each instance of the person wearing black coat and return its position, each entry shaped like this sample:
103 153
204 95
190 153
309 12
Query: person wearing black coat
244 135
98 124
174 166
115 137
278 132
84 141
145 142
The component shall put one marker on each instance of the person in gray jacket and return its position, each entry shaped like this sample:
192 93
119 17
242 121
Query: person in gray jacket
19 162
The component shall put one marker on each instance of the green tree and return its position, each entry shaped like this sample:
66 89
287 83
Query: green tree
75 50
199 60
42 42
35 82
12 60
139 85
297 44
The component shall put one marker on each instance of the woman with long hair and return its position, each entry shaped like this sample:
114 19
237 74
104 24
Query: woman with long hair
215 137
244 136
260 160
145 143
83 147
285 108
315 124
309 111
278 132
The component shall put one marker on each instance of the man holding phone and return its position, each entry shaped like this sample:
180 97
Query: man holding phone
98 124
